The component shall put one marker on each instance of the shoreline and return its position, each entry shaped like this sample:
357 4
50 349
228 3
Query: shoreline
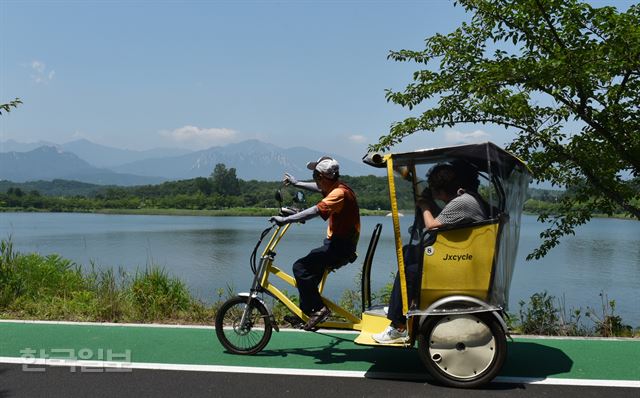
230 212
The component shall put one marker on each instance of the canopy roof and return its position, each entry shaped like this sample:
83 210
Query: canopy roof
483 156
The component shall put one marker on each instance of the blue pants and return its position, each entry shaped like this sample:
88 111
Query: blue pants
308 271
395 314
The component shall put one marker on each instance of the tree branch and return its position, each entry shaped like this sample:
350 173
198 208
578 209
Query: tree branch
582 112
554 32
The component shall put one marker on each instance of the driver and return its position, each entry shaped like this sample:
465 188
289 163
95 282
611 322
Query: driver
340 207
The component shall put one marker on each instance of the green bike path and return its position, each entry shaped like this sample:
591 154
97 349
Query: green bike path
529 358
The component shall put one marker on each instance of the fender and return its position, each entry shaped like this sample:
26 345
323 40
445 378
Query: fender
272 319
459 305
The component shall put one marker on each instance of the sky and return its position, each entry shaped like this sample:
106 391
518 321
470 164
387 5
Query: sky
195 74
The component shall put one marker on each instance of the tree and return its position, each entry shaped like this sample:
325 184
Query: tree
11 104
224 181
203 185
563 75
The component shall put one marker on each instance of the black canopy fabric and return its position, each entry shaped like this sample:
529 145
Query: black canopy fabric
486 157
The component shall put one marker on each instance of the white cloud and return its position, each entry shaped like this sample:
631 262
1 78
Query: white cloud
40 72
458 137
201 138
38 66
358 139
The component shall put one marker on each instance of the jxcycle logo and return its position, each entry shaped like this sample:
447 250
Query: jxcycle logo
457 257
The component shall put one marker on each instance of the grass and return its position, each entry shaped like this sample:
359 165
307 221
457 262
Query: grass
33 286
53 288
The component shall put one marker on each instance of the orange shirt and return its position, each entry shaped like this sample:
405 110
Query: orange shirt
341 208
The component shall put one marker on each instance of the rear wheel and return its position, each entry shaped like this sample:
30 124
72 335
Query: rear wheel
463 350
243 325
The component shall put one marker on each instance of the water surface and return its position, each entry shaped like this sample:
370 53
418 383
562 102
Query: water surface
209 253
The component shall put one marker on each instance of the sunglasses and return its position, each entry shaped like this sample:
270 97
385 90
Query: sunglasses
316 175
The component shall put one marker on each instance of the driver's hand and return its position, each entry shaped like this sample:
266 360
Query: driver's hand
289 179
278 220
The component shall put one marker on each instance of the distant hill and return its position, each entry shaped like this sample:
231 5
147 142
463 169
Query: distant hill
48 163
86 161
252 159
15 146
95 154
55 187
105 156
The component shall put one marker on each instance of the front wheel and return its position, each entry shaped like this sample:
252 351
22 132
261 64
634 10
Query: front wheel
463 350
243 325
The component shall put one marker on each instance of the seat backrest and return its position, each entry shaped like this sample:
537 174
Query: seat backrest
459 262
366 267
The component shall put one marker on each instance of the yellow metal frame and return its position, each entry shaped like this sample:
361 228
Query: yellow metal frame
352 322
396 232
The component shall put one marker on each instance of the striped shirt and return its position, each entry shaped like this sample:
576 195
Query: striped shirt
461 210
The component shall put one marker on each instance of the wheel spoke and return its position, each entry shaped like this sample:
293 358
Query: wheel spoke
247 338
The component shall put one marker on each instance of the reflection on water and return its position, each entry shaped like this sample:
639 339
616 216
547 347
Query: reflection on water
212 252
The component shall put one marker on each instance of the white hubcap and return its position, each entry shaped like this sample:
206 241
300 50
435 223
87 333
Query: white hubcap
462 346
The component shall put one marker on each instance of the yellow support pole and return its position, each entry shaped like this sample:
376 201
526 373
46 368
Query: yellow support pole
397 233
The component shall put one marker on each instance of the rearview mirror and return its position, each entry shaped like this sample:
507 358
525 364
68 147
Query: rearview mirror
278 196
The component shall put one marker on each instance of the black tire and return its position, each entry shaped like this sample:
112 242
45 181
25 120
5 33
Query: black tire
250 338
466 350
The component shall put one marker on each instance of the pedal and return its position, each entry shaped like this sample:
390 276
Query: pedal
295 321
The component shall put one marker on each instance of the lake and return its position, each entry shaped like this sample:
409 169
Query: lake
209 253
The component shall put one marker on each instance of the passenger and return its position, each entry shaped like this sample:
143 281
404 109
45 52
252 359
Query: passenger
340 207
456 185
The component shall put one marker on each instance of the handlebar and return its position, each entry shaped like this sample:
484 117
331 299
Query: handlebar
288 211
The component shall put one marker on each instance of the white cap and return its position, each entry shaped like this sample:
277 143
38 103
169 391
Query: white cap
326 166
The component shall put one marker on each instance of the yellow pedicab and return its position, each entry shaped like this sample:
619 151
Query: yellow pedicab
456 316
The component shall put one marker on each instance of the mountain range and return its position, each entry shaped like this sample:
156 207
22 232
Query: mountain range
49 163
93 163
97 155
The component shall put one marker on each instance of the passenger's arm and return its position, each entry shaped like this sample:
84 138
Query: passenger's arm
430 211
430 220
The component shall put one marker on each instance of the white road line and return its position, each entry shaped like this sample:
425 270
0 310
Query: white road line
128 366
569 382
156 325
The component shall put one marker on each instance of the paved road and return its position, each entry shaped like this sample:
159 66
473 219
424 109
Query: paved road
61 382
154 360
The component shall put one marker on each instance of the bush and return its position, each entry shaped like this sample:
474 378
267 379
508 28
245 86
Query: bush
543 317
608 324
540 316
156 295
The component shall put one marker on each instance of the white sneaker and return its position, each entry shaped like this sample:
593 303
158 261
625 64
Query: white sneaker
390 335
